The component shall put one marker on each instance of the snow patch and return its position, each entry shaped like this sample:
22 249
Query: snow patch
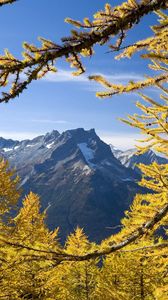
24 180
30 145
7 149
86 170
87 153
127 179
49 145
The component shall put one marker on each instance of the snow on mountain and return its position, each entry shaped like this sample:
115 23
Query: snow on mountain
130 159
116 152
49 145
87 152
78 175
7 149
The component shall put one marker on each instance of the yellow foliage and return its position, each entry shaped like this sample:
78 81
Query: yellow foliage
32 263
9 188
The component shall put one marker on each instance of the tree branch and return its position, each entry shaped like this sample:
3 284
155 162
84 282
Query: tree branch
146 248
142 230
114 89
73 45
3 2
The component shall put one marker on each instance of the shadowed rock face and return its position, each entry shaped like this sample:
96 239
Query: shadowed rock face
79 180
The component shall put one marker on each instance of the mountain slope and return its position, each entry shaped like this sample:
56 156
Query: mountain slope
78 178
129 158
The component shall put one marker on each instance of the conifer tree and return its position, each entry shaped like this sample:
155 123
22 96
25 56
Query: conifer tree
131 275
9 196
78 279
135 258
22 266
29 224
9 188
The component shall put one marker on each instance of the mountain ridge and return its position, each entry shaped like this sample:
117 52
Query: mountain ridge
129 158
78 178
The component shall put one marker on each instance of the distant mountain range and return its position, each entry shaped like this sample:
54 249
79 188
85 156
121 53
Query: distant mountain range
130 159
81 180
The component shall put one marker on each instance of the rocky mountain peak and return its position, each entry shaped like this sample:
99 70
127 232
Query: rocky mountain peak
77 177
51 136
8 143
82 135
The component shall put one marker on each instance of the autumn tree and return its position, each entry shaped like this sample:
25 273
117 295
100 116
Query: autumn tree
131 274
9 196
137 246
9 189
21 269
83 274
109 23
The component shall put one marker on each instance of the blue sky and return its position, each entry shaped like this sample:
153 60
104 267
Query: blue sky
61 101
